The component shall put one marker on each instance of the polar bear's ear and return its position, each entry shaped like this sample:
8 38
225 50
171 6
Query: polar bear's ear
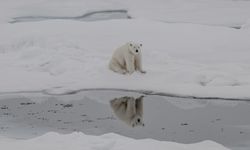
140 45
131 44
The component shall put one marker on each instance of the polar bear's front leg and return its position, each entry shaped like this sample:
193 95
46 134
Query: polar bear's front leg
130 63
138 64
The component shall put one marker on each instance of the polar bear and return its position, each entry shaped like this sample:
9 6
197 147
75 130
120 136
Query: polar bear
127 59
129 110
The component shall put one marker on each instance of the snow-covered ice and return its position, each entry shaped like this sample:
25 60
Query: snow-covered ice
197 54
80 141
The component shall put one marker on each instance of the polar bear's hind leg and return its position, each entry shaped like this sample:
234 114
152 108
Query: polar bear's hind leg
117 68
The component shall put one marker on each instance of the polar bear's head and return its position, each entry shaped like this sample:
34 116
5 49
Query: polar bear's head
134 48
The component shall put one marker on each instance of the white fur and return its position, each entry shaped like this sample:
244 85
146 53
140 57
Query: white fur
129 110
127 59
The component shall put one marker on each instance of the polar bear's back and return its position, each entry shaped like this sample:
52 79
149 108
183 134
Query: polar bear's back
121 51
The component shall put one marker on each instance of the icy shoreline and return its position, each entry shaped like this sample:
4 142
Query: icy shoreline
145 92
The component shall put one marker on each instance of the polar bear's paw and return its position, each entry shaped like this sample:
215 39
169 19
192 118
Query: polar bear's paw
142 71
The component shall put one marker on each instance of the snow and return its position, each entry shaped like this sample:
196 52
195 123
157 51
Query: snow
194 49
246 25
55 141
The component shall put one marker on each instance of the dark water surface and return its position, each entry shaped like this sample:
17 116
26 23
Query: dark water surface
93 112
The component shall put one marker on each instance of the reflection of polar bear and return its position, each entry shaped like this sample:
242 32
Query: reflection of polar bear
127 59
129 110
